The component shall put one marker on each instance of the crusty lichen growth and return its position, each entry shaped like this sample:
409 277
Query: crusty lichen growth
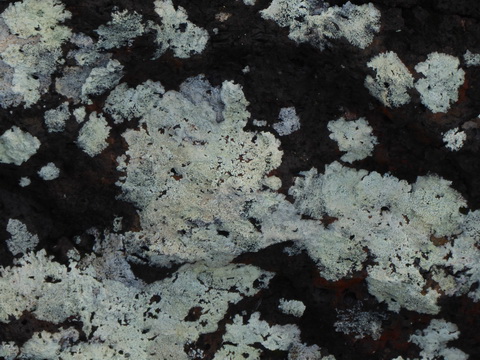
102 78
243 335
56 119
454 139
93 135
392 80
389 217
79 114
121 30
30 50
24 181
176 32
471 59
193 171
49 172
17 146
126 103
119 315
442 78
353 137
317 25
289 121
292 307
433 341
21 239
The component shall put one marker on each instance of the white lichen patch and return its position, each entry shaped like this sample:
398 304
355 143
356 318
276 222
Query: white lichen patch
120 316
471 59
292 307
31 36
442 78
464 254
389 217
433 341
46 345
353 137
32 18
9 350
454 139
56 119
121 30
21 239
93 135
195 173
125 103
49 172
176 32
318 24
289 121
392 80
80 114
243 335
24 181
17 146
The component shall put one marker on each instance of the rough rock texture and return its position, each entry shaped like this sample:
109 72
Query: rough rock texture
179 206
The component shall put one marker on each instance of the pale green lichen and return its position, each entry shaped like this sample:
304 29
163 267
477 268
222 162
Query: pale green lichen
193 161
443 77
392 80
291 307
433 341
463 259
56 119
46 345
471 59
317 25
31 40
120 31
31 18
244 335
119 319
389 217
353 137
454 139
126 103
93 135
24 181
49 172
80 114
17 146
176 32
9 350
21 239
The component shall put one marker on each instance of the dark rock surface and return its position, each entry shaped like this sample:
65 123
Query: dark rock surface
322 85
